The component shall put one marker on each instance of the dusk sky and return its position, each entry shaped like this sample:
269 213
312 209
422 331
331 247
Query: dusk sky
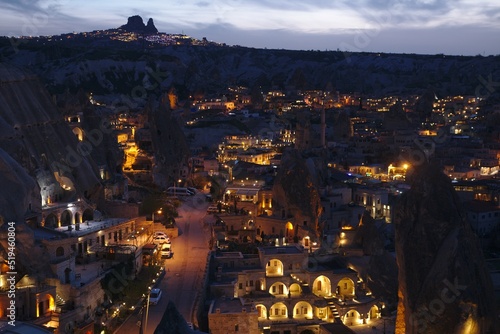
459 27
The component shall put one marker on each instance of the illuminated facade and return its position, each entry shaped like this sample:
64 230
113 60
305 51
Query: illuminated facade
288 292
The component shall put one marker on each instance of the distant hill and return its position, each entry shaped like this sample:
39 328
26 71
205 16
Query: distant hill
99 63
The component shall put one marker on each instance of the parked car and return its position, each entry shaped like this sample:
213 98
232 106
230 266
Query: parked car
161 239
166 250
159 234
179 191
212 209
155 296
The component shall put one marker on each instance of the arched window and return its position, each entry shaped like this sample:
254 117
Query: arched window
278 288
322 286
66 218
302 310
261 311
346 288
274 268
51 221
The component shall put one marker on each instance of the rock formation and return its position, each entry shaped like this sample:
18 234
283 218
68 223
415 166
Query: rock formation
381 271
444 286
369 237
342 127
136 24
382 277
396 119
36 138
169 144
150 27
294 192
14 204
172 322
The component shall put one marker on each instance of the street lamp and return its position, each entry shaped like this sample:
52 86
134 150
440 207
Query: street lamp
179 180
145 329
159 212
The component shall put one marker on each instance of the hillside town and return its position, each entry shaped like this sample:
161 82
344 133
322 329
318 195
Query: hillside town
280 207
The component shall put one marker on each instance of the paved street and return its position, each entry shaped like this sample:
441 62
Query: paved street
184 270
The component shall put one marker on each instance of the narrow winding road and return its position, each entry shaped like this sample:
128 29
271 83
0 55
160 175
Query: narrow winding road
184 271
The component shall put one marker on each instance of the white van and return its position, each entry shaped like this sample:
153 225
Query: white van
166 251
178 191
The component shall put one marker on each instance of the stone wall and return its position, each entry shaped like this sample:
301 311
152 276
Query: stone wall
227 323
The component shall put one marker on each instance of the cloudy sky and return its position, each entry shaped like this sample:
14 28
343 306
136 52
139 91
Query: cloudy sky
459 27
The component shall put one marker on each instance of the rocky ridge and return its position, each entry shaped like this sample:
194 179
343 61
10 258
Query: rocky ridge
444 286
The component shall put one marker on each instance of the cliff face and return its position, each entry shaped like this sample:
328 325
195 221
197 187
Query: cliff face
169 144
444 286
38 143
294 191
20 190
369 237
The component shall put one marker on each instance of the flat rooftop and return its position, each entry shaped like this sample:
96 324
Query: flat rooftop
85 228
289 250
227 305
229 255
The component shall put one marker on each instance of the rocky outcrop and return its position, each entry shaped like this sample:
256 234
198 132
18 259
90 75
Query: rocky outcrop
172 322
342 127
368 236
136 24
38 139
381 271
169 144
150 27
294 192
26 196
382 277
444 286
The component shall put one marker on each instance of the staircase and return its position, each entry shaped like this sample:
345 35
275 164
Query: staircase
333 309
60 302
